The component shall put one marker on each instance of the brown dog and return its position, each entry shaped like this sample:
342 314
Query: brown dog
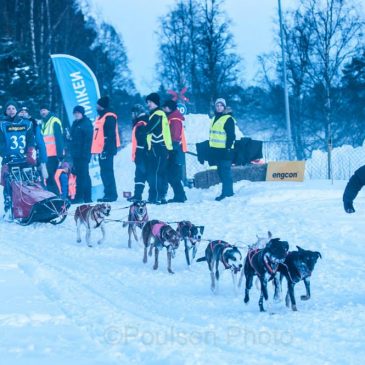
91 217
158 234
137 217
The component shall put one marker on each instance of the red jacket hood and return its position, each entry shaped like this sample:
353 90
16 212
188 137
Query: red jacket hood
176 114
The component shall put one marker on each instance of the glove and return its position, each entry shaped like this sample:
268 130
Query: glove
348 206
103 155
44 171
32 156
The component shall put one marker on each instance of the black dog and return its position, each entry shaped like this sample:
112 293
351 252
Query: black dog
157 234
297 266
264 263
191 235
137 217
222 252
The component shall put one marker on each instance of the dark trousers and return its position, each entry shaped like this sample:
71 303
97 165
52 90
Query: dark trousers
140 177
83 181
224 169
157 172
175 172
52 165
107 177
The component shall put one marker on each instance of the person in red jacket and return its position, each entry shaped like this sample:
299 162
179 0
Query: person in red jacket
176 158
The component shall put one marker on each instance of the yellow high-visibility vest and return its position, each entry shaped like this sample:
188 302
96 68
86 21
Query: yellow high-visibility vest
217 134
49 137
165 136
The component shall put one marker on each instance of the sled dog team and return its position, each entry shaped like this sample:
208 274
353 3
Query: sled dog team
269 258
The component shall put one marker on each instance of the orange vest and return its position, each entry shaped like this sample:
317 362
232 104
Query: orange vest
134 139
49 137
71 182
184 145
98 137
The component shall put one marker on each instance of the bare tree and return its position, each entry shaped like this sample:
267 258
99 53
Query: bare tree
335 26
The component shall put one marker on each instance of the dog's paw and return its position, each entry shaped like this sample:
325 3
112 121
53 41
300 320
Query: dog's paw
170 271
155 267
246 300
78 240
100 242
294 308
304 297
89 245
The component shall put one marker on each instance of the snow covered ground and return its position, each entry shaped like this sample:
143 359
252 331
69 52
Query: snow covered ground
65 303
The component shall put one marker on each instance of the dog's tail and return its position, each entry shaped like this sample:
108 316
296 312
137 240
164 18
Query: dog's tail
201 259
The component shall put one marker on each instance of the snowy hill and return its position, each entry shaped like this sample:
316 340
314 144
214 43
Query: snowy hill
65 303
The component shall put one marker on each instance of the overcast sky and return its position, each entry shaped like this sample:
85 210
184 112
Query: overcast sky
137 20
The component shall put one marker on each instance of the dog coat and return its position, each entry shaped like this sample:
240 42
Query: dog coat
156 229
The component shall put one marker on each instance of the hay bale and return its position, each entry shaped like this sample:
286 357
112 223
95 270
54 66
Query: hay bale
252 172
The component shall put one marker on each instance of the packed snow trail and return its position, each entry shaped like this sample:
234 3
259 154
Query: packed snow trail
102 305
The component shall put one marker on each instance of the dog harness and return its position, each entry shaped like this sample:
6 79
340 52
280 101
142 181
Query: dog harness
137 218
225 245
252 253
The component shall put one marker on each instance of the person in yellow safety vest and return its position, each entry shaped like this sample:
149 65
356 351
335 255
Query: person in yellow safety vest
177 157
159 144
105 144
221 140
53 139
139 150
65 181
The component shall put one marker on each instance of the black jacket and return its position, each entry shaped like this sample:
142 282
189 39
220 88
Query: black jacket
218 154
81 138
356 182
110 139
141 137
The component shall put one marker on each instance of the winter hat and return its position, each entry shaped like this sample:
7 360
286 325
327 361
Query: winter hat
24 108
138 109
154 97
79 109
171 104
44 106
103 102
11 102
221 101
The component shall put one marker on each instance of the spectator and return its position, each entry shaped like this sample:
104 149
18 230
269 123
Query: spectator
105 144
159 143
53 138
176 158
80 148
221 140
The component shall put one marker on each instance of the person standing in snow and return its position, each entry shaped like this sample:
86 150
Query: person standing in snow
176 158
53 138
80 148
105 144
355 184
39 142
159 145
139 150
221 139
